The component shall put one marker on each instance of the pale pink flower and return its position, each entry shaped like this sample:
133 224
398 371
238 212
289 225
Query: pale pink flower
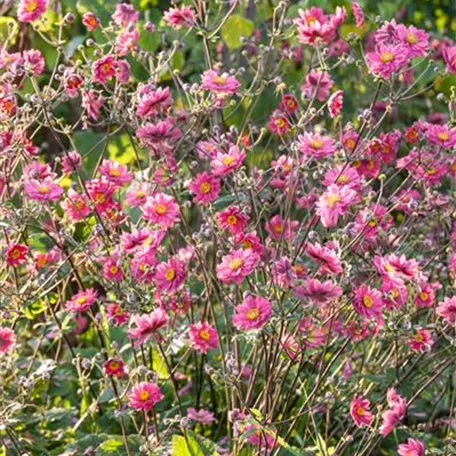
386 60
43 190
219 83
327 259
180 17
358 13
334 203
226 163
449 56
200 416
335 103
421 340
125 14
414 40
115 172
316 145
92 102
104 69
413 447
319 292
447 310
33 61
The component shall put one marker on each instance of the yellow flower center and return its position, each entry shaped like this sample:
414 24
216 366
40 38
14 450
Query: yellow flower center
386 57
114 365
114 269
424 296
170 274
205 187
231 220
220 80
360 411
252 314
368 301
343 179
333 200
204 334
144 395
161 209
228 160
114 172
316 143
82 300
15 253
43 189
443 136
411 38
236 264
31 6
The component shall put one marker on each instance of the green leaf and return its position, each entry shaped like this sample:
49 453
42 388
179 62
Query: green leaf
180 447
111 445
8 28
234 29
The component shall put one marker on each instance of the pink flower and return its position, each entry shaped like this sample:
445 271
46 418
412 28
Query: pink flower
394 414
236 266
289 104
278 122
162 210
205 187
343 176
317 84
31 10
413 447
90 21
225 163
335 103
170 275
232 219
164 131
123 71
115 172
114 368
421 340
125 14
327 259
71 162
386 60
144 396
7 340
334 203
92 103
81 301
44 190
368 302
396 268
360 411
279 229
111 268
449 56
358 13
222 84
147 326
104 69
76 206
253 313
447 310
116 314
415 41
320 292
33 61
441 135
203 337
138 193
180 17
200 416
16 254
316 146
152 101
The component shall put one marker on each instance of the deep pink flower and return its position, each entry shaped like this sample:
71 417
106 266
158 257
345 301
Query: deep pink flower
81 301
394 414
152 101
368 302
138 193
279 229
441 135
205 187
395 268
123 72
413 447
334 203
104 69
253 313
144 396
360 411
447 310
449 56
317 84
116 314
162 210
180 17
44 190
386 60
259 437
316 145
200 416
33 61
115 172
7 340
92 102
91 21
222 84
147 326
414 40
31 10
114 367
170 275
226 163
233 220
164 131
71 162
343 176
278 122
236 266
336 103
112 269
289 103
421 340
320 292
125 14
203 337
76 206
327 259
16 254
358 13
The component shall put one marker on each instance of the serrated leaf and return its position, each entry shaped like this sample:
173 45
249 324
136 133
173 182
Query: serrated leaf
234 29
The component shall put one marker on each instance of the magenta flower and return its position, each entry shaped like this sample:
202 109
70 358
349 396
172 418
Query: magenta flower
327 259
152 101
44 190
316 146
111 268
360 411
394 414
81 301
368 301
16 254
71 162
91 21
205 187
441 135
144 396
138 193
114 368
104 69
317 84
162 210
200 416
449 56
413 447
358 14
147 326
336 103
223 84
33 62
116 314
414 40
203 337
334 203
281 229
31 10
320 292
447 310
7 340
170 275
161 132
278 122
92 102
115 172
225 163
386 60
396 268
233 220
253 313
421 340
236 266
75 206
125 14
180 17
